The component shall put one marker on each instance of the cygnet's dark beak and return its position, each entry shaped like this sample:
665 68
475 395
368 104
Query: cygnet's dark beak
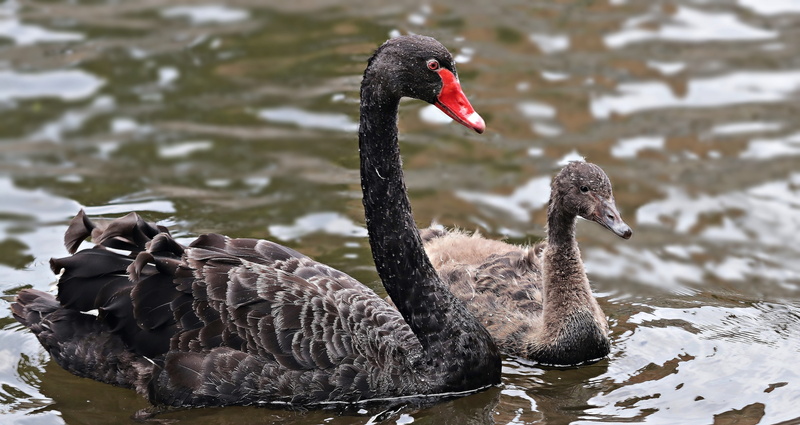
607 216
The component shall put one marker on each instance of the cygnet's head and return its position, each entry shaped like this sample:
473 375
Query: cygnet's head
583 189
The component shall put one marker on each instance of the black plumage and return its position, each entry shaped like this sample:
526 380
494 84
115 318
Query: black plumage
241 321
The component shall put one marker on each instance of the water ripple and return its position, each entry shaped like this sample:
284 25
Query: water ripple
206 14
64 84
322 222
731 89
687 25
302 118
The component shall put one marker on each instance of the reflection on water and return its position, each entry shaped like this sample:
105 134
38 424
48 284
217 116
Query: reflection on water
183 149
550 43
772 7
323 222
686 24
240 118
66 84
730 89
685 382
206 14
303 118
629 148
773 148
532 195
11 27
74 119
745 127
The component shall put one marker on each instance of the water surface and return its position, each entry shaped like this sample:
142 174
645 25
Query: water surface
240 117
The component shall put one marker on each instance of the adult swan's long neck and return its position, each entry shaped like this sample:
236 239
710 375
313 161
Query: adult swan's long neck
457 349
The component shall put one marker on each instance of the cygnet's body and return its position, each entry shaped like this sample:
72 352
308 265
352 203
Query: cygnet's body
536 300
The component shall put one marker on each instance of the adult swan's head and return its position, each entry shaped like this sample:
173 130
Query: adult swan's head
244 321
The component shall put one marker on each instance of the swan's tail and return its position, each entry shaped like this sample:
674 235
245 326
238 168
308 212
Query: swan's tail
80 343
114 305
127 277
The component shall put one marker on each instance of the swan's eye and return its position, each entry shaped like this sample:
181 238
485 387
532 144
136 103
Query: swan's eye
584 189
433 64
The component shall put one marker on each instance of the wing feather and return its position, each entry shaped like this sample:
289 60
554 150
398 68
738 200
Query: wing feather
232 321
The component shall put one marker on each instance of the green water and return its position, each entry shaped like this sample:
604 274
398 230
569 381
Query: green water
240 119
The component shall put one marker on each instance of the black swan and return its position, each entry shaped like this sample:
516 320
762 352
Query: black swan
249 322
536 300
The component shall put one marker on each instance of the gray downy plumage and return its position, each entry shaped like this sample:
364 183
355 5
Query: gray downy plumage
536 300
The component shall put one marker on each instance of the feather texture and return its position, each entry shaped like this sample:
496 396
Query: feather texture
242 321
535 300
266 323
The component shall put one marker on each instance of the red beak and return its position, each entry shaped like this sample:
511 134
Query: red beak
453 102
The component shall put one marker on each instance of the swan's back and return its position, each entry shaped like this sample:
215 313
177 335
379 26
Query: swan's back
225 321
458 247
240 321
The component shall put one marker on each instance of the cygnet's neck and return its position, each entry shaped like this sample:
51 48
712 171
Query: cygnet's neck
566 286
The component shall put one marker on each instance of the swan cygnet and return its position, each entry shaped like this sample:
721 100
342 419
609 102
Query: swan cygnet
536 300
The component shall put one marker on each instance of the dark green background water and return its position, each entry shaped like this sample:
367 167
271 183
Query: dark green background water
241 119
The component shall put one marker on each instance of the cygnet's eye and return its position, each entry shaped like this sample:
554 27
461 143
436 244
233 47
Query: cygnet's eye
584 189
433 64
